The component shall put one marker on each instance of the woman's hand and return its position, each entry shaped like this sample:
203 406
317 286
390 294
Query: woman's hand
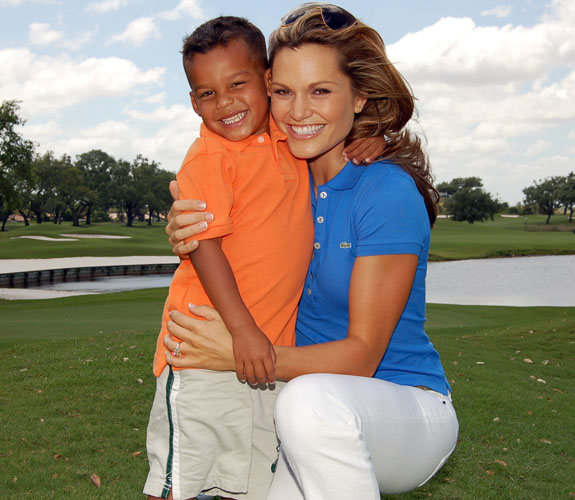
366 150
204 344
182 226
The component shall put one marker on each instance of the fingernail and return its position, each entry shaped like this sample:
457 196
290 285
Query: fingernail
202 205
210 216
355 162
191 306
203 225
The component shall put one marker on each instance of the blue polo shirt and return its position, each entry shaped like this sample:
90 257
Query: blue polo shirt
374 210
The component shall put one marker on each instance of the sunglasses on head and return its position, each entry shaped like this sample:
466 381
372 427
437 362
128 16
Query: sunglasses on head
334 17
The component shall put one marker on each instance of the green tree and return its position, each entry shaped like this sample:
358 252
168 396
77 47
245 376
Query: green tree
128 196
96 167
15 161
545 195
153 184
465 200
567 194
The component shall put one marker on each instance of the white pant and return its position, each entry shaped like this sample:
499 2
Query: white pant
346 437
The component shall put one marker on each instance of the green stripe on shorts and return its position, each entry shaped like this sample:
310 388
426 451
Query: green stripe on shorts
168 483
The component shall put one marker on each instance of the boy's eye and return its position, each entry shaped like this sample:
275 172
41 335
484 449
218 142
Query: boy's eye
207 93
237 84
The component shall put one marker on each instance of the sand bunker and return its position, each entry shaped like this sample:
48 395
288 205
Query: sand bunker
75 237
43 238
101 236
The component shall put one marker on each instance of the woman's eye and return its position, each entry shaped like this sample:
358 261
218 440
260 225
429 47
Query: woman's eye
281 92
322 91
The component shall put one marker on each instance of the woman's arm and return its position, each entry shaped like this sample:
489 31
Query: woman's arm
379 288
183 226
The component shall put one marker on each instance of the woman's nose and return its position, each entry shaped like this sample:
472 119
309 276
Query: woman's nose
300 108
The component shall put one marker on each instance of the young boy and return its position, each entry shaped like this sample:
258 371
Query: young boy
208 431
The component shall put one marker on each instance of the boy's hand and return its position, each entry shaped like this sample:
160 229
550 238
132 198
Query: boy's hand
255 357
365 150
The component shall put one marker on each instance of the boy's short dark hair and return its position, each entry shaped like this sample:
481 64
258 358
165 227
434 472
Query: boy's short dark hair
220 31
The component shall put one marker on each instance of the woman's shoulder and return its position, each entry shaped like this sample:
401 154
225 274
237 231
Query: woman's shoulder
389 178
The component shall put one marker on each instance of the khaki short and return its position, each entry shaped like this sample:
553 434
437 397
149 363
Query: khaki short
210 433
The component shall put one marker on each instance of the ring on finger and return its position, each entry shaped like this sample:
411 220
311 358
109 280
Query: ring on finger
177 352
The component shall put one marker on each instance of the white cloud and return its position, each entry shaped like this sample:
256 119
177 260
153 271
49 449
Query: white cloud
16 3
45 83
137 32
43 34
538 147
498 11
123 139
156 98
187 8
106 5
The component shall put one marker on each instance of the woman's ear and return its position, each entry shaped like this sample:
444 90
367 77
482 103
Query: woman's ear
268 78
359 104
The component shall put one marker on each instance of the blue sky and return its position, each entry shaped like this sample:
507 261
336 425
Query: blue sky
495 80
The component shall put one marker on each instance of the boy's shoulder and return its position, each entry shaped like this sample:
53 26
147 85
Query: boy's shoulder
206 145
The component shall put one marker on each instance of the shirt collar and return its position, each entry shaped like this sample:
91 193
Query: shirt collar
347 177
239 146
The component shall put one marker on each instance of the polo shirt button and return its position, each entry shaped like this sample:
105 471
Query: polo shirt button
320 219
309 291
316 245
261 139
323 194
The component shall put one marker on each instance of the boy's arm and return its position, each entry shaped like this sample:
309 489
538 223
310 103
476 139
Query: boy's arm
253 352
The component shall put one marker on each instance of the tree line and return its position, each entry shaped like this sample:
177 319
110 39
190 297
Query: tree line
95 184
464 199
91 186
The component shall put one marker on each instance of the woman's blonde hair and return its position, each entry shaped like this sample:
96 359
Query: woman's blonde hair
390 102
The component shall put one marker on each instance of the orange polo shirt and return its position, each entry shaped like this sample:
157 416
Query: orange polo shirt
260 197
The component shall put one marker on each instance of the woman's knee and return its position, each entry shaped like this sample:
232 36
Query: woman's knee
307 408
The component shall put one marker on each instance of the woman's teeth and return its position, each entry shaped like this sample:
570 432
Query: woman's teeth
234 119
307 129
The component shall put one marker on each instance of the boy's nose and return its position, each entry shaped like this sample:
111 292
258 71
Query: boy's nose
224 101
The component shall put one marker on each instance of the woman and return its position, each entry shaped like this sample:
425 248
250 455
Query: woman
368 407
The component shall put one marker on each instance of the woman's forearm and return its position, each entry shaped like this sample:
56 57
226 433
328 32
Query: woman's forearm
349 356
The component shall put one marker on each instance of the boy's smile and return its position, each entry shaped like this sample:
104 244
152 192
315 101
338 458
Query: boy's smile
229 91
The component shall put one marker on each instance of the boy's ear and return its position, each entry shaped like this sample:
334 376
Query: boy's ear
268 78
194 103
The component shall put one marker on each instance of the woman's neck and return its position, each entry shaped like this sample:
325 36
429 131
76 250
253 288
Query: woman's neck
325 167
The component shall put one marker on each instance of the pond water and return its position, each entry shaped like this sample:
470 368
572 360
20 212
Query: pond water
518 281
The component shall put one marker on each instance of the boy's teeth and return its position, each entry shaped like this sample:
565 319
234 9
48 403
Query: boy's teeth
234 119
307 129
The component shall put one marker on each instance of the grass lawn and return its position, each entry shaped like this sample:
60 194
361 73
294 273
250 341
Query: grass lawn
144 240
502 237
76 389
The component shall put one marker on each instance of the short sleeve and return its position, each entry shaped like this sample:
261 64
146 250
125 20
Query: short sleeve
208 176
390 216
